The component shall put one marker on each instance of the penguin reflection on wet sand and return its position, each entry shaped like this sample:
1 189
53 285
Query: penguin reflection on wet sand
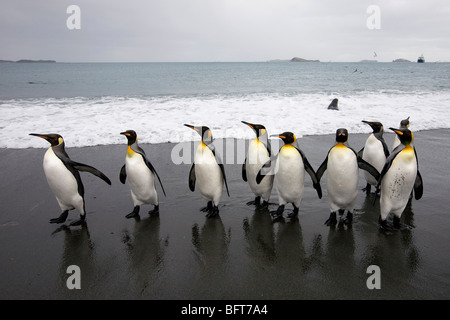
259 152
342 163
64 179
399 176
290 168
374 152
141 176
207 171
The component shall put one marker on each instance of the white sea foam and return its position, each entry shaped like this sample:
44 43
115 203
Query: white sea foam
98 121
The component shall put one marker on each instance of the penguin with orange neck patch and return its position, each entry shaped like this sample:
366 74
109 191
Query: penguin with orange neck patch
259 153
64 179
207 171
342 164
290 168
399 176
141 176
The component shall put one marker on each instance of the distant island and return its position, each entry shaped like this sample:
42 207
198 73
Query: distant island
295 59
28 61
400 60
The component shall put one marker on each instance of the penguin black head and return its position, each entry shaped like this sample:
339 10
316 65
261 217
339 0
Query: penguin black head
341 135
131 136
404 134
287 137
259 129
376 126
404 123
203 131
53 138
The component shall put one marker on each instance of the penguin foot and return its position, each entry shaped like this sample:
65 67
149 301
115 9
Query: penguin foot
208 207
155 210
265 204
367 189
332 220
214 212
396 222
277 214
255 202
133 214
294 213
384 225
62 218
348 219
78 222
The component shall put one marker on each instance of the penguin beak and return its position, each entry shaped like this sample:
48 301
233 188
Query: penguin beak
193 128
397 131
249 124
278 136
368 122
43 136
125 133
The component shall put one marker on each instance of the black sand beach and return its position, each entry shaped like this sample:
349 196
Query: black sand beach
240 254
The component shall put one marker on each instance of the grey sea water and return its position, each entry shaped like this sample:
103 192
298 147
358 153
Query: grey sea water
89 103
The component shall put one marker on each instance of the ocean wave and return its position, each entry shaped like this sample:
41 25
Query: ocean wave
90 121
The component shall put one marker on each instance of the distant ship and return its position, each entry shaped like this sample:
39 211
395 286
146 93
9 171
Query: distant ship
421 59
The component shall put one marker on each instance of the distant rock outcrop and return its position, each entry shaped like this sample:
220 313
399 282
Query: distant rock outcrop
28 61
400 60
35 61
296 59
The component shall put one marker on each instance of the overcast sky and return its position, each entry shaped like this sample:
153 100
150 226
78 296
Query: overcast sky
224 30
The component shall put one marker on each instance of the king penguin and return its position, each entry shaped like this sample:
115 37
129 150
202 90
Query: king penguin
404 124
399 176
342 163
259 153
64 179
207 171
374 152
141 176
290 168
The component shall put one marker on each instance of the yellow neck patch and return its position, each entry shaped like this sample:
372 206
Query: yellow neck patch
340 145
130 151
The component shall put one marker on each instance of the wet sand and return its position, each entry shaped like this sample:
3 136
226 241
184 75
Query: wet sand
240 254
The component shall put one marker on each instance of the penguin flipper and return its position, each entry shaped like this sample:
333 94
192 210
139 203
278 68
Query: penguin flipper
152 169
322 169
222 168
383 143
312 174
388 164
244 170
219 162
150 166
87 168
192 178
364 165
123 174
265 168
418 186
360 152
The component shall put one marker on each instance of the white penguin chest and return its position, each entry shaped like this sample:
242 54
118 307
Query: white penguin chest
257 156
342 167
374 152
208 173
290 169
59 178
137 171
399 180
